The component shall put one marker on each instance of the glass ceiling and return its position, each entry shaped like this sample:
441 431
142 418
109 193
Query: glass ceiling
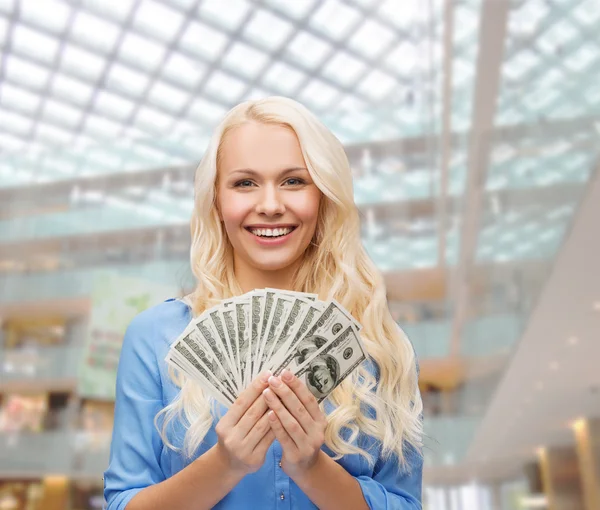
135 72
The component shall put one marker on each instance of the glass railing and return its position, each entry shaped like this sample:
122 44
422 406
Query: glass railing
447 438
15 287
43 363
36 454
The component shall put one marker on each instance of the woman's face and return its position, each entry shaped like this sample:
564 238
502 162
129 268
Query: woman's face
266 198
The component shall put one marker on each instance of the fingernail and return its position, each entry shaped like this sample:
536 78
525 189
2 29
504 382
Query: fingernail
264 378
274 381
287 375
268 394
271 415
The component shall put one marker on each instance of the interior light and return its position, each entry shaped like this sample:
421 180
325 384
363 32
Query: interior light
554 365
573 340
597 306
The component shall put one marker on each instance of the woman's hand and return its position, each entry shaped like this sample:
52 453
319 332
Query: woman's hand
244 434
297 421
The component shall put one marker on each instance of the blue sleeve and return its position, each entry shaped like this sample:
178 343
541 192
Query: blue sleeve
136 445
391 488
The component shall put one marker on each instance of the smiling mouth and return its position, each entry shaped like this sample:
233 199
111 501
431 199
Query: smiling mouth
271 233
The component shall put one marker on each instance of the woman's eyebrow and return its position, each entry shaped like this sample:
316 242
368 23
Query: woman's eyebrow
254 173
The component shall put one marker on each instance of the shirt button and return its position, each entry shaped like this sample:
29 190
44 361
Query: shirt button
282 496
279 463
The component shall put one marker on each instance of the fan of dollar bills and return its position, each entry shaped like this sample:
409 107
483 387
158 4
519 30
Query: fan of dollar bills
227 346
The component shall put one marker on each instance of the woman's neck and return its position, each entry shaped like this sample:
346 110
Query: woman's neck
250 278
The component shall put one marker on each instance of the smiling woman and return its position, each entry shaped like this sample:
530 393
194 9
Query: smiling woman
274 207
266 199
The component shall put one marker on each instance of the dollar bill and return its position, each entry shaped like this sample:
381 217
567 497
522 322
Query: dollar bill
215 350
293 322
328 325
199 359
256 303
269 301
216 318
281 308
330 364
242 328
228 315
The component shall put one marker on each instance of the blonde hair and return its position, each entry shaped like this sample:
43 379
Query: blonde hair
388 406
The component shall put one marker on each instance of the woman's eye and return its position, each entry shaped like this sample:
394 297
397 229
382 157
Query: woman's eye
243 184
294 181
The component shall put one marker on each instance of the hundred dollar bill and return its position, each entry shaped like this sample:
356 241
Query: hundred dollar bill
274 325
256 312
330 364
184 361
293 319
227 312
242 329
294 294
225 343
292 333
207 336
330 323
269 301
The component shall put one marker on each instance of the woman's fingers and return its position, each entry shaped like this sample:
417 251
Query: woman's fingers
245 400
287 443
304 395
289 423
292 403
258 432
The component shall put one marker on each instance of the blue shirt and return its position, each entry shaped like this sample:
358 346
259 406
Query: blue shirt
138 457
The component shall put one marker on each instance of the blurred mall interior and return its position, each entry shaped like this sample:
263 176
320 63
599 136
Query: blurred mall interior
472 127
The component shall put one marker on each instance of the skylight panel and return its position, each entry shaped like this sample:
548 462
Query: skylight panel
403 59
587 12
120 78
520 65
57 112
158 20
561 33
60 165
334 18
403 14
153 120
283 78
141 51
168 97
52 134
230 18
35 45
343 68
49 14
18 98
82 63
202 40
208 111
225 86
16 123
186 71
308 49
10 142
118 10
245 60
71 90
371 38
581 58
377 85
113 105
268 29
318 94
96 126
91 31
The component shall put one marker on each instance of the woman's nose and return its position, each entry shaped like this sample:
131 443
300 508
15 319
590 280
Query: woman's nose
270 202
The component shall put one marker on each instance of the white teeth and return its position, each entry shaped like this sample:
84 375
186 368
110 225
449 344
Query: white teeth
271 232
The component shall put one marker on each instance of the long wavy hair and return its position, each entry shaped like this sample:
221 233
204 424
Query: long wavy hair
335 265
